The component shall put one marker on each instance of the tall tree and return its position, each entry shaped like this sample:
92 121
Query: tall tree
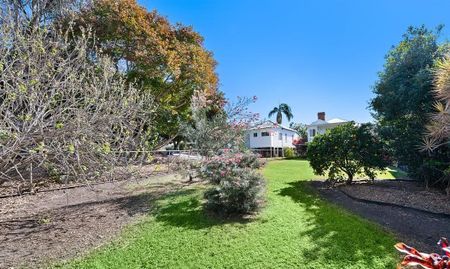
280 110
168 60
403 94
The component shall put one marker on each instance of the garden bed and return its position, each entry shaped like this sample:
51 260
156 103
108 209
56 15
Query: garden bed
402 193
386 203
48 226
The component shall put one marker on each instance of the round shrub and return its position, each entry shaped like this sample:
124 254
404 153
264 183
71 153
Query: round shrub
237 188
289 153
346 151
240 192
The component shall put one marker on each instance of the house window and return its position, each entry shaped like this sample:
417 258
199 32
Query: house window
265 134
312 132
280 136
285 137
255 134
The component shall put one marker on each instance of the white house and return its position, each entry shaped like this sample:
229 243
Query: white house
269 138
320 126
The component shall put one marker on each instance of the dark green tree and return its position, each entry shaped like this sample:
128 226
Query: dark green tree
403 94
280 110
345 151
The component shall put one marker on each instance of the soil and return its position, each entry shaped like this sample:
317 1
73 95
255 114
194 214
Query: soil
415 227
36 230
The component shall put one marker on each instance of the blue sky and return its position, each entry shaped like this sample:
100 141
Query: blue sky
313 55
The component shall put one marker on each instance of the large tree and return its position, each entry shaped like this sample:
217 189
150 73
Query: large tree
168 60
345 151
403 94
280 110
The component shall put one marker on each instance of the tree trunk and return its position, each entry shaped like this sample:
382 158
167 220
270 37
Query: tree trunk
349 179
279 118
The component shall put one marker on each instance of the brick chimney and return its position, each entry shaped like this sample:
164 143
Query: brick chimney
321 116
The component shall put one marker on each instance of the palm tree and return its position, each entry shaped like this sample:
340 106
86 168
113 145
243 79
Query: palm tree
280 110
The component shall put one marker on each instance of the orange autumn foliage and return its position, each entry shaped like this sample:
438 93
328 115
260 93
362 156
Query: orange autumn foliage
169 60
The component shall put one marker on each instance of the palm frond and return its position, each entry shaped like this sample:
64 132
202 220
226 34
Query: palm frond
273 111
286 109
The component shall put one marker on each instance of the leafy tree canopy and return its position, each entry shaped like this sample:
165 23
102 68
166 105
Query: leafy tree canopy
168 60
403 93
345 151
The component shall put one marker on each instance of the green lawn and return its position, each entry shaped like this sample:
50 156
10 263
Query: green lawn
391 173
295 230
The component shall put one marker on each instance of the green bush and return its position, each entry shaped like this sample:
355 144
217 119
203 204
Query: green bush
345 151
289 153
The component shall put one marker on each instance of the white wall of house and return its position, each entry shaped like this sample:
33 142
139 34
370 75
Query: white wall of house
316 130
320 126
259 139
271 138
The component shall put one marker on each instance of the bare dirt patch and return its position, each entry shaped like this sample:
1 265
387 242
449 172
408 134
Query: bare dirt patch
36 230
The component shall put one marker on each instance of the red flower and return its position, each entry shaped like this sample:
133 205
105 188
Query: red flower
428 261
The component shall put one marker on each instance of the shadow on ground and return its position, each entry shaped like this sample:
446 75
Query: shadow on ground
64 230
337 235
185 209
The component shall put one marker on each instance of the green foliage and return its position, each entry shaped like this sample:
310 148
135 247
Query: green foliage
404 94
300 128
289 153
239 192
296 229
168 60
345 151
237 189
280 110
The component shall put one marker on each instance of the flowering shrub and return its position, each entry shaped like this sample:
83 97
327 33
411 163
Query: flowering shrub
238 189
215 168
428 261
238 192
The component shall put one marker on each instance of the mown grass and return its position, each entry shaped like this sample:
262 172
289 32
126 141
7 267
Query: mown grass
392 173
295 230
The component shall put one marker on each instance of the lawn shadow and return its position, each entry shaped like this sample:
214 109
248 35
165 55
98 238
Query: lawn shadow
185 209
337 235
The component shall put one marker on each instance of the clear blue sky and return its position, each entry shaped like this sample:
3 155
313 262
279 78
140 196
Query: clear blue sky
313 55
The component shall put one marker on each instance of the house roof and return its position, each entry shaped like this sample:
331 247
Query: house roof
332 121
270 124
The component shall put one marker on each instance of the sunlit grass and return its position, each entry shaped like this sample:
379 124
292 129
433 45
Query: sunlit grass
295 230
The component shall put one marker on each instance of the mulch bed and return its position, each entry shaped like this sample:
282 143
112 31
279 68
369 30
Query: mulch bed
402 193
36 230
414 215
